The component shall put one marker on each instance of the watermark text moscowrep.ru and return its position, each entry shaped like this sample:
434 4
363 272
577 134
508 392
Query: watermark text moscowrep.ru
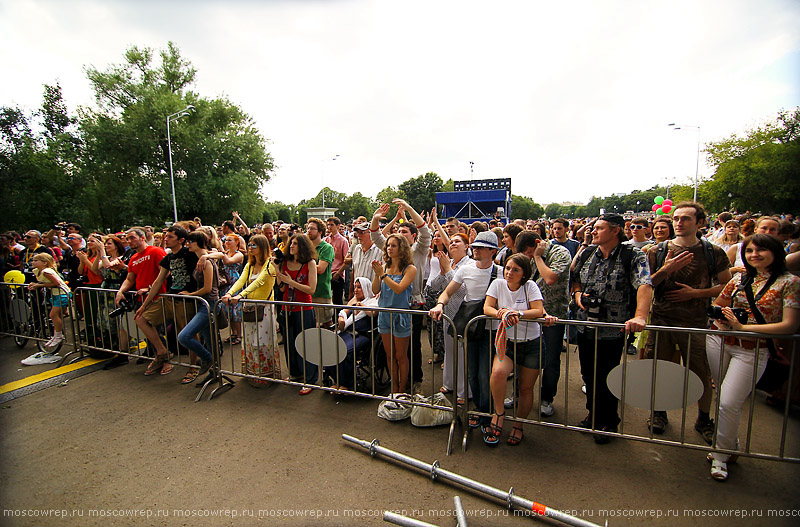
277 513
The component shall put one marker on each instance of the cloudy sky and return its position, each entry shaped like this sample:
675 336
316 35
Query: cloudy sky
569 99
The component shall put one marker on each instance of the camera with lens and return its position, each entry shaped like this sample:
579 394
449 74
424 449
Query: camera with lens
127 305
279 256
715 312
593 305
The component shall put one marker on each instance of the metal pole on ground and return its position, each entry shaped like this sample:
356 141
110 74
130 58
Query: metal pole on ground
439 473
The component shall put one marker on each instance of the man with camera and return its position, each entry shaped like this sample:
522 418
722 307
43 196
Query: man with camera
610 283
143 269
684 272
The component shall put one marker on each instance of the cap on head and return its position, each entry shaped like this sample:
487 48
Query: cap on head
486 239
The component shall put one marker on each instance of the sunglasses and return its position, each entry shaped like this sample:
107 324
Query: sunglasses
251 246
637 227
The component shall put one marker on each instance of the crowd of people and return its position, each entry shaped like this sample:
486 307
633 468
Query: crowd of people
527 276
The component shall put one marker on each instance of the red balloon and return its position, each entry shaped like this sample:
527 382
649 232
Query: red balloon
666 208
656 207
667 202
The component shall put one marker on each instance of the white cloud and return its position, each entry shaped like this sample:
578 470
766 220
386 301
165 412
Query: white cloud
570 100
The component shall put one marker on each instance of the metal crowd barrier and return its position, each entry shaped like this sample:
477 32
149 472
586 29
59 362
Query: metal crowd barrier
102 335
377 383
112 329
25 316
564 388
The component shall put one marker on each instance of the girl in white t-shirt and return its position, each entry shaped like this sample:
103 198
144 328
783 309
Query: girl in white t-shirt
510 300
44 269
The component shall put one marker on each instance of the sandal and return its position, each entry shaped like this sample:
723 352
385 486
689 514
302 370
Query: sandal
158 364
492 431
514 439
190 376
305 390
235 341
436 359
474 421
445 390
719 470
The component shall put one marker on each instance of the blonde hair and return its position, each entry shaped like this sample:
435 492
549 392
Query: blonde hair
47 258
213 239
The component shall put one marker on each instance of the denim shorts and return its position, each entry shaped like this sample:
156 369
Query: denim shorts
60 300
400 321
528 351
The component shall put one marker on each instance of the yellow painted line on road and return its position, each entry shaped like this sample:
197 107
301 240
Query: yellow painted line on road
39 377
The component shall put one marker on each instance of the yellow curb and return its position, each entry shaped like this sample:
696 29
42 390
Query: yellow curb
33 379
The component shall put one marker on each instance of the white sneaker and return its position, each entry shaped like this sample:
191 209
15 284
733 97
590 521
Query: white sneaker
546 408
55 341
40 358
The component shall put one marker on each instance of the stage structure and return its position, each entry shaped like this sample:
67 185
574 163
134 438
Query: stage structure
476 200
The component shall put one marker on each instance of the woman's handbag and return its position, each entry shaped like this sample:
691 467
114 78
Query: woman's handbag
222 316
470 309
255 312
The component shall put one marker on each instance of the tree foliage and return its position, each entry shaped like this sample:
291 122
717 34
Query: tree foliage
759 171
421 191
524 207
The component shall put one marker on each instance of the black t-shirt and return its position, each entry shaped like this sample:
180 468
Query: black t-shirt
181 267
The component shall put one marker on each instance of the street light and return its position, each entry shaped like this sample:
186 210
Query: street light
174 117
697 161
334 158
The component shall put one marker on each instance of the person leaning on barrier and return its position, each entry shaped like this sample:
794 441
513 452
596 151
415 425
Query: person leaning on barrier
511 299
775 294
606 284
687 273
179 265
260 354
143 269
113 268
206 277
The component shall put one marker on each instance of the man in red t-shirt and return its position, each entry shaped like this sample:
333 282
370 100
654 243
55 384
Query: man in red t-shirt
143 269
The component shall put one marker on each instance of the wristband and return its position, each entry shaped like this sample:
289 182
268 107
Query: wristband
420 226
383 276
442 303
374 230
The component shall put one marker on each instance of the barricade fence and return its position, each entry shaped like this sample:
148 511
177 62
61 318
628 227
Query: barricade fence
659 377
281 345
25 315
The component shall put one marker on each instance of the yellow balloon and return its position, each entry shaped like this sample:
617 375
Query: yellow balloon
14 277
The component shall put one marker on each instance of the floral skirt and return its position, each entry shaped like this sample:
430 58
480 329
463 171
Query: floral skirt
260 353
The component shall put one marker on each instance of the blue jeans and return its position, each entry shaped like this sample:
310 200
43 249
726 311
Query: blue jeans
293 325
552 360
198 324
479 366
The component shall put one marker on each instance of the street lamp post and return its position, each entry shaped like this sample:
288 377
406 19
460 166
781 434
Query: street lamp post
334 158
697 160
174 117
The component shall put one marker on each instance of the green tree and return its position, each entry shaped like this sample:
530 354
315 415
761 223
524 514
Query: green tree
553 210
386 196
219 158
421 191
525 208
759 171
38 169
